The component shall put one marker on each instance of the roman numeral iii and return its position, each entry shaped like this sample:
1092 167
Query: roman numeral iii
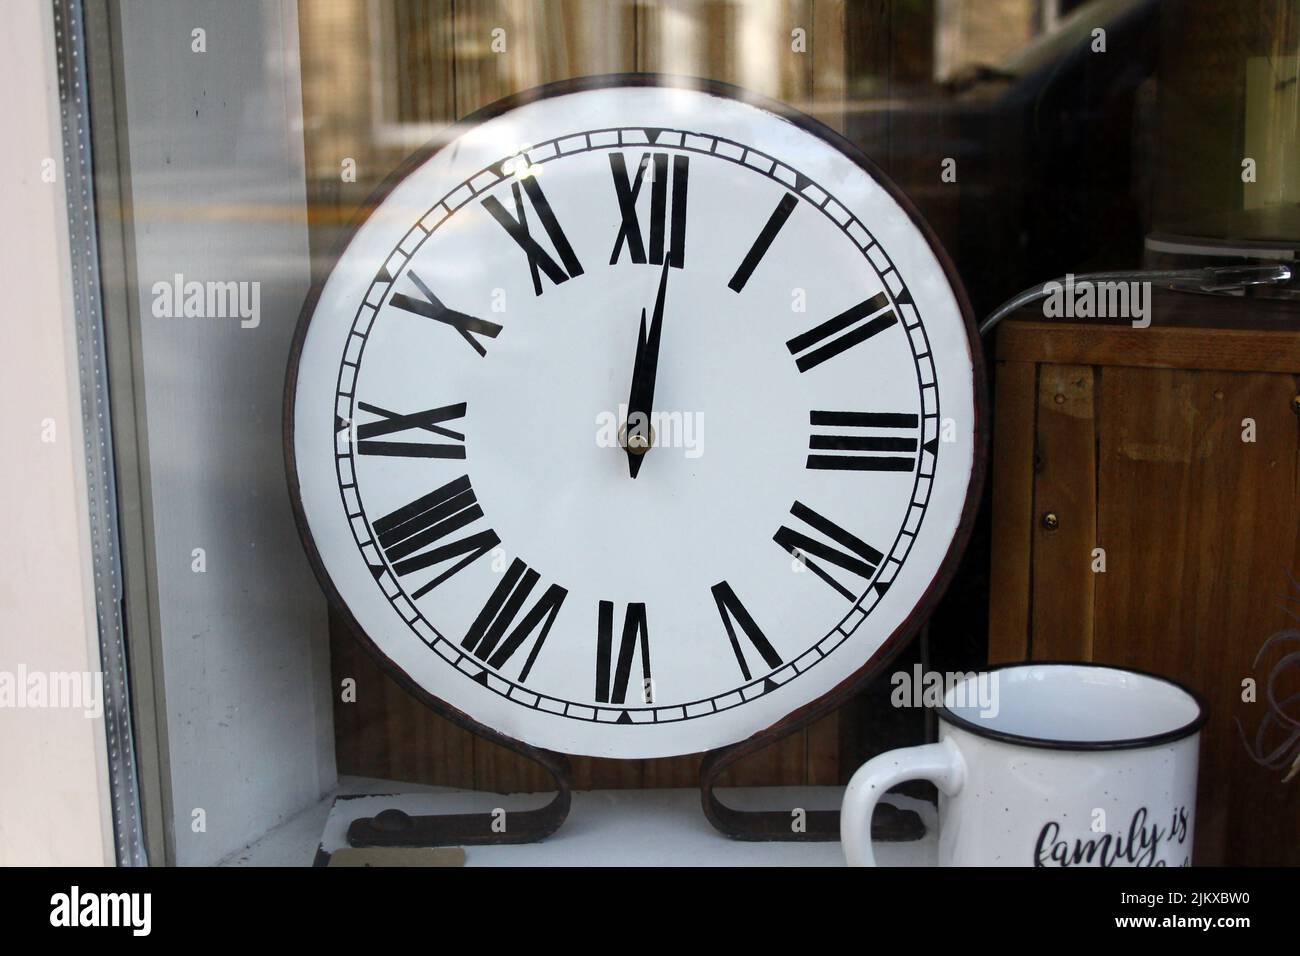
854 555
858 324
661 222
431 307
729 607
635 632
391 423
506 605
410 535
863 441
539 260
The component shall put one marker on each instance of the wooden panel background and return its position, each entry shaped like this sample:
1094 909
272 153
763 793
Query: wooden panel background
1201 531
432 62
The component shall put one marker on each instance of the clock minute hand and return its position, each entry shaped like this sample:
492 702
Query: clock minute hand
644 369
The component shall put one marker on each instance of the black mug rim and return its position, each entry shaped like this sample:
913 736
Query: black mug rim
1047 743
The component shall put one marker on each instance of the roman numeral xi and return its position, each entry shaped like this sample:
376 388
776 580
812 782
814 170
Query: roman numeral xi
539 260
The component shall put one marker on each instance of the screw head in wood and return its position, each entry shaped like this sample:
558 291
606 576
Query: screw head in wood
1050 521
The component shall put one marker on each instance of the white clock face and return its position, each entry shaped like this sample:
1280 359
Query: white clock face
633 420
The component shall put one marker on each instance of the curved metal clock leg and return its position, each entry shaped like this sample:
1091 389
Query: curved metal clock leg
889 824
398 828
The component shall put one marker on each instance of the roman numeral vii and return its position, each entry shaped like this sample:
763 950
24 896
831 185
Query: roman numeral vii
487 638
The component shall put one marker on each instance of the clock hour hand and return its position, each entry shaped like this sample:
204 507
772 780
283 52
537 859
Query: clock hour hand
637 435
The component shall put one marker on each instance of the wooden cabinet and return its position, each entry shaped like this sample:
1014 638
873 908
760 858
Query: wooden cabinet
1146 504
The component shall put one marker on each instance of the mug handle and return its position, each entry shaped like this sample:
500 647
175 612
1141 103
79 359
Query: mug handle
939 763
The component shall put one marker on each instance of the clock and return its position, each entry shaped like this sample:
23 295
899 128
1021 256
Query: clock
637 417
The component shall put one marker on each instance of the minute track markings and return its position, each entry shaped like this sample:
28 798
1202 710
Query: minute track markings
672 140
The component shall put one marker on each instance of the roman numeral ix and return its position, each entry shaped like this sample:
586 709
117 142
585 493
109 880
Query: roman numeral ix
431 307
630 227
539 260
485 636
860 558
635 631
872 451
410 535
368 434
864 320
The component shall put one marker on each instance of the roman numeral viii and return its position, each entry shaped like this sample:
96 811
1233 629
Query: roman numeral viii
487 638
857 324
627 192
635 631
431 307
410 535
729 607
539 260
854 555
368 435
864 441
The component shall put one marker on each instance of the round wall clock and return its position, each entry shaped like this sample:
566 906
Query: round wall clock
638 417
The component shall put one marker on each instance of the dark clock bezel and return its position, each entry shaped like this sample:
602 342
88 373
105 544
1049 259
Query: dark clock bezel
901 635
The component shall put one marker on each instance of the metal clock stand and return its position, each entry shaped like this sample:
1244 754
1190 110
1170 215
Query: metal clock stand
396 828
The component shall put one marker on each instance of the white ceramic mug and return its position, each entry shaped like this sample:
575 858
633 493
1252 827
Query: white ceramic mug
1056 764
